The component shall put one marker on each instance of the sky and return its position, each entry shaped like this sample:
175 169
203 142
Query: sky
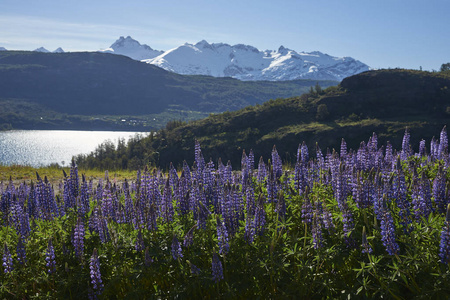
380 33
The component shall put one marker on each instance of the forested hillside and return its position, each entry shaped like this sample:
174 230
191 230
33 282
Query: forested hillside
385 101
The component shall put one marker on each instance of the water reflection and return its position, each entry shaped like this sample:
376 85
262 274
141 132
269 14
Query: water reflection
44 147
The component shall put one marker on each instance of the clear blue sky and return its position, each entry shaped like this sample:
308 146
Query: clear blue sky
380 33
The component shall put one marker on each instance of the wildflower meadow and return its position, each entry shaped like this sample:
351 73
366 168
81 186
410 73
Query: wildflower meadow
367 223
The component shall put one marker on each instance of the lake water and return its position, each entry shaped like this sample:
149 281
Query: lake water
43 147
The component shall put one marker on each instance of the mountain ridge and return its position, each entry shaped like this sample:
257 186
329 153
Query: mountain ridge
243 62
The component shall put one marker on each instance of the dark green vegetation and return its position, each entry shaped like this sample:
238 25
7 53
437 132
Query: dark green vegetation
98 91
384 101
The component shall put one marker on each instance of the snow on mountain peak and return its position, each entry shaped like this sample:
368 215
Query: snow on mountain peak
58 50
41 49
130 47
241 61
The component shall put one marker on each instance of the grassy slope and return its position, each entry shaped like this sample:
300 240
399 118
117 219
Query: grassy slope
385 102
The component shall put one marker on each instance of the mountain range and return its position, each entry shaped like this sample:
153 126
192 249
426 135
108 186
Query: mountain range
243 62
240 61
46 90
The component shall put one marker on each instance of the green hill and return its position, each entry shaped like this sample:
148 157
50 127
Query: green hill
384 101
97 91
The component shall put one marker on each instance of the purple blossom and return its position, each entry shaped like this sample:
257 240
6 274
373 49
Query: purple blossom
194 269
176 249
388 233
7 260
365 244
50 258
406 147
222 237
96 277
78 238
21 252
307 210
262 172
317 233
217 269
166 203
444 246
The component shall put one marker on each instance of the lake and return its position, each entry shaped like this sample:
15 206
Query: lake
43 147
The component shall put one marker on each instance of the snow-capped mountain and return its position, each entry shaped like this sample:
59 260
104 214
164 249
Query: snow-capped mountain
132 48
3 49
59 50
240 61
41 49
248 63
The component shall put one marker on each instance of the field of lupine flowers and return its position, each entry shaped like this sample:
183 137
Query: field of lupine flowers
370 223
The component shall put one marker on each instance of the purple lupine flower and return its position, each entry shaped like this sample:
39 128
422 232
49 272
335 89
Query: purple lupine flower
96 277
139 245
439 183
251 161
78 238
166 203
399 194
50 258
304 154
222 237
307 210
7 260
259 222
422 148
444 246
365 244
74 183
176 249
245 168
194 269
173 177
343 153
406 147
317 232
217 269
262 172
199 161
443 144
21 252
421 197
388 232
277 166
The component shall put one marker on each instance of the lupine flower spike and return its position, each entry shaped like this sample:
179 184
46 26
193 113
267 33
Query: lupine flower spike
365 244
217 269
444 251
7 260
96 277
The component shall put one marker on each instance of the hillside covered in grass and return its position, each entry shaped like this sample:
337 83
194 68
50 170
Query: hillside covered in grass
88 90
383 101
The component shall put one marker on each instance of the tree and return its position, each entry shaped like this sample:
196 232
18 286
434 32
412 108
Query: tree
445 67
318 89
322 112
